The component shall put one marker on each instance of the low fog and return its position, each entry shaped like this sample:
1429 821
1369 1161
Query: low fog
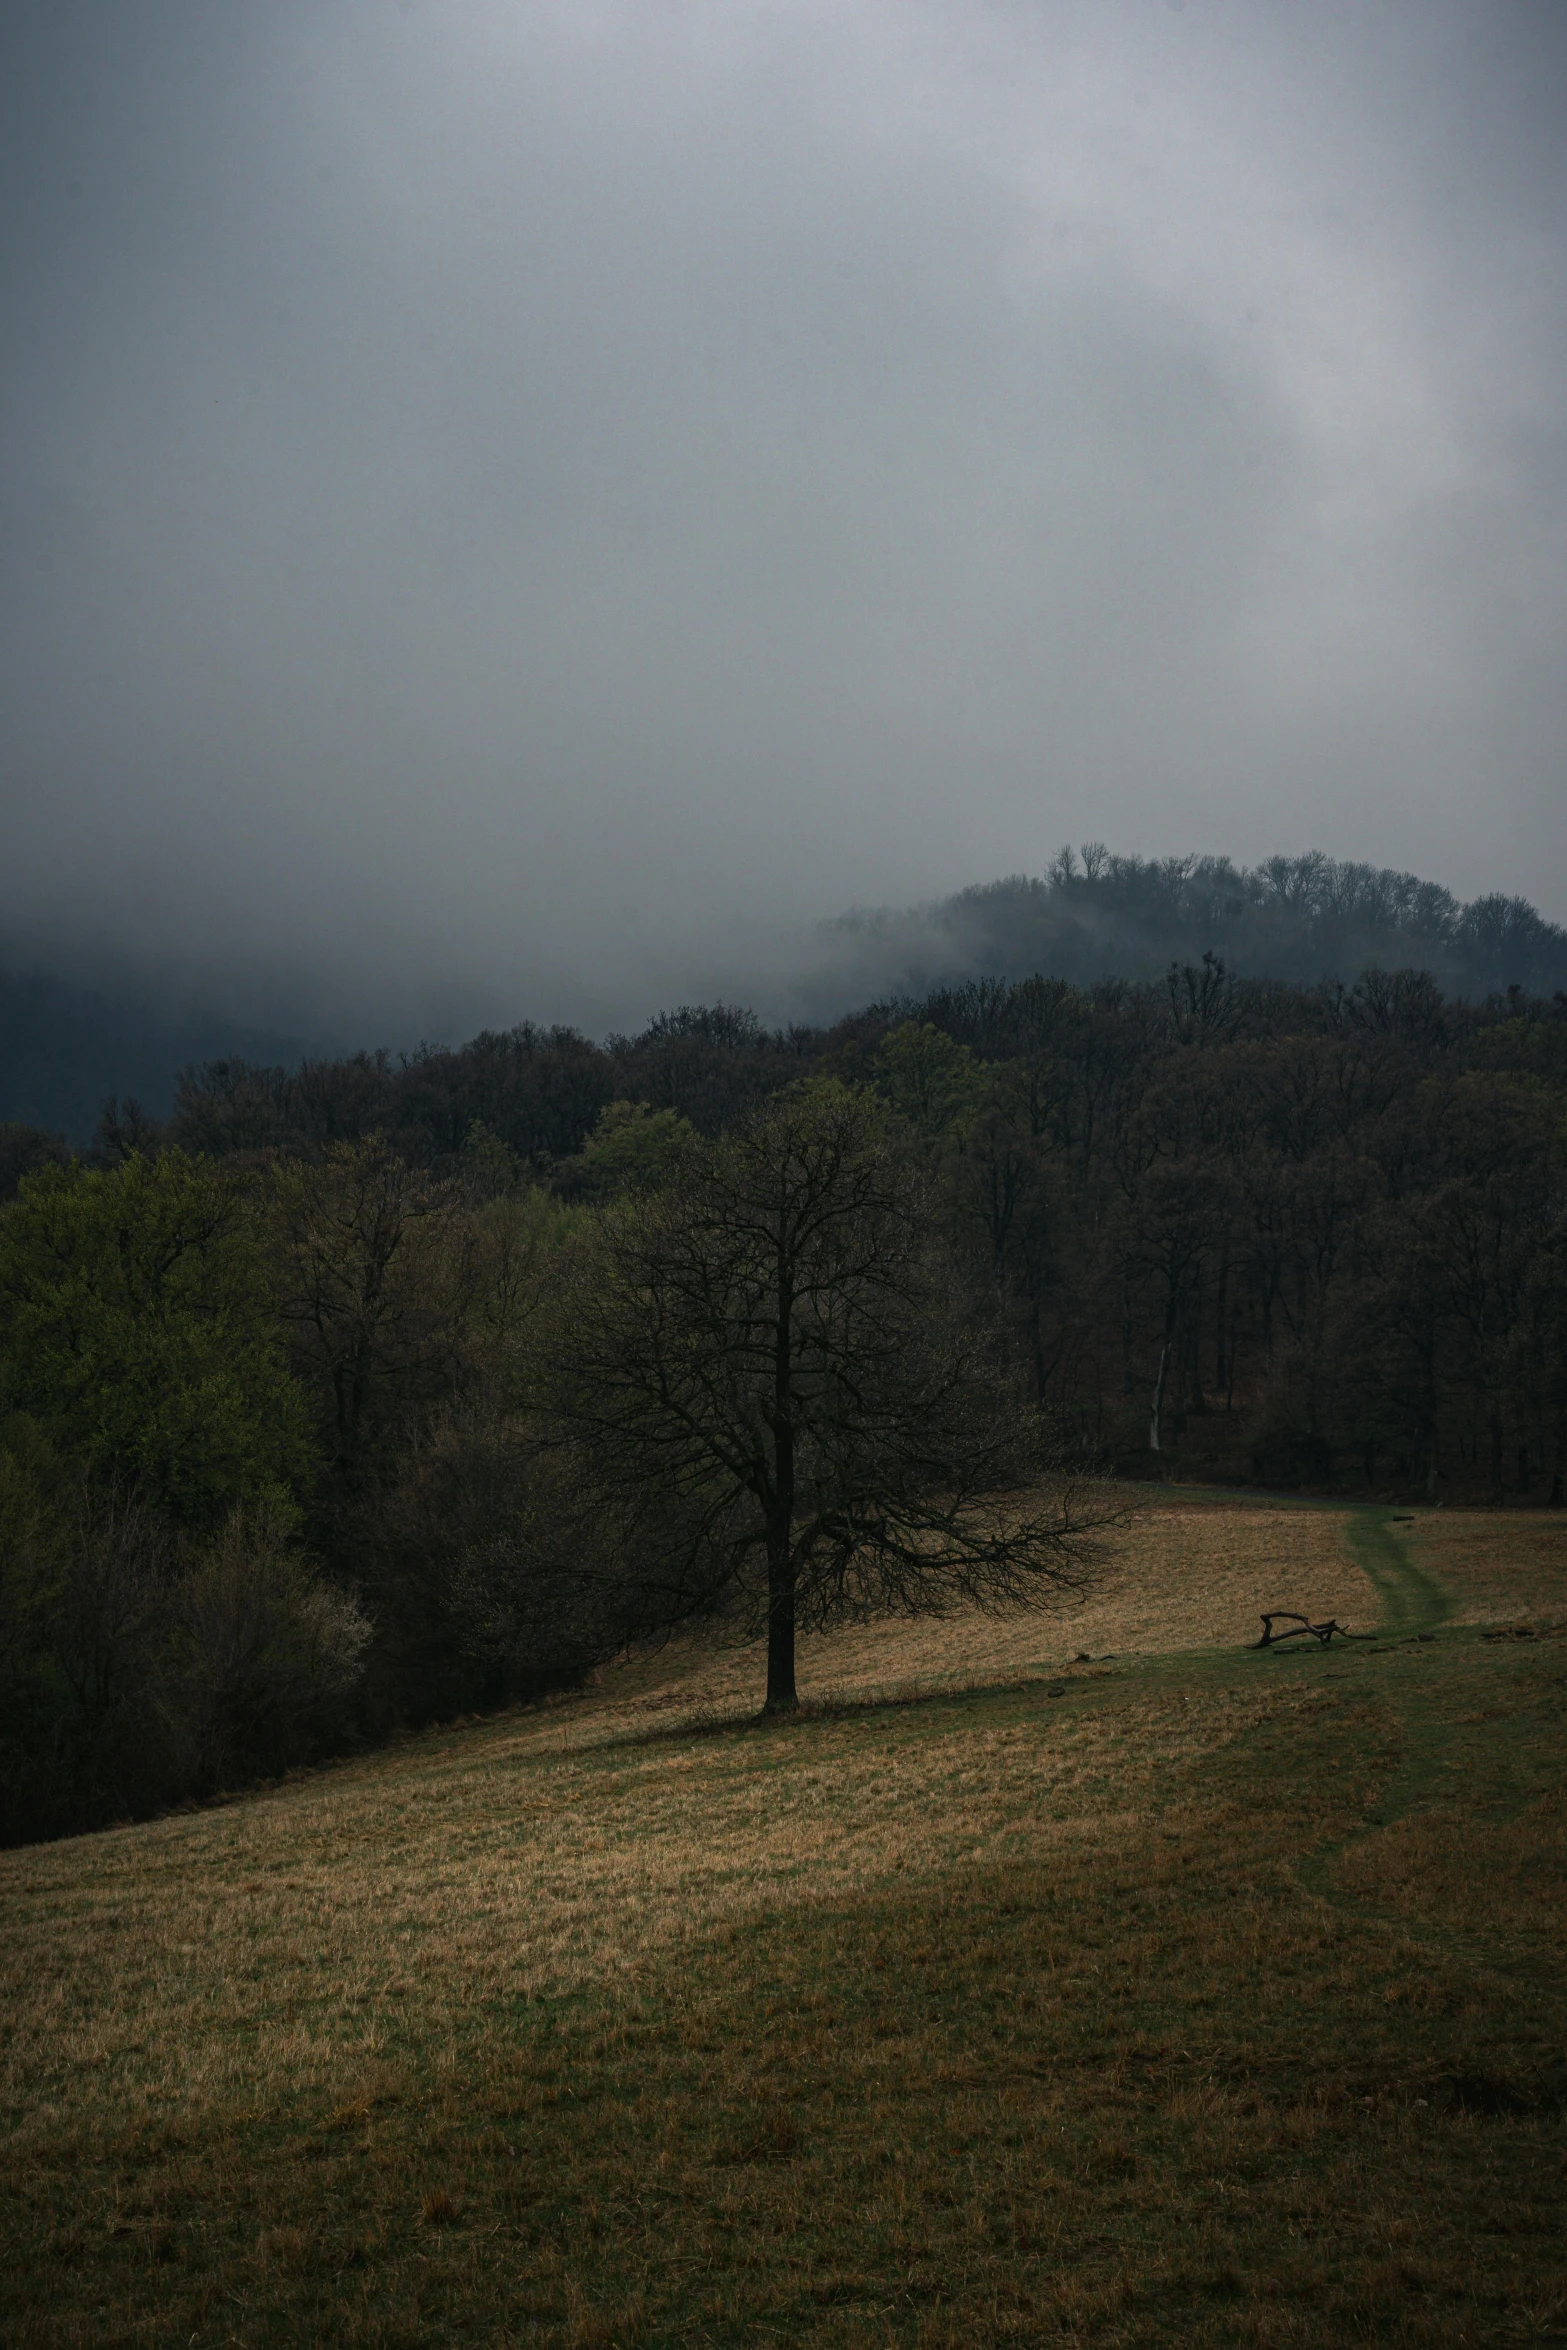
529 510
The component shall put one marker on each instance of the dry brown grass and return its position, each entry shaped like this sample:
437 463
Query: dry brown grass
1186 1574
1499 1565
995 2016
1503 1881
271 1944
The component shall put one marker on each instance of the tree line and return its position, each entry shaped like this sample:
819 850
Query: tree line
378 1391
1095 913
1092 914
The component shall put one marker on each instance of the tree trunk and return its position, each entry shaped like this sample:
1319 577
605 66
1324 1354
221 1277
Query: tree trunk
1199 1400
1429 1432
1157 1407
781 1696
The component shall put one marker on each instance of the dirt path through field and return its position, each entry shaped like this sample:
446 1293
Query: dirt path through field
1398 1871
1414 1604
1412 1600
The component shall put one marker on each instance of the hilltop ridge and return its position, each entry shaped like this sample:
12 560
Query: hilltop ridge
1096 915
66 1048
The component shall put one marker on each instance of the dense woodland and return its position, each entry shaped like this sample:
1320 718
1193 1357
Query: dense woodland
1093 915
305 1433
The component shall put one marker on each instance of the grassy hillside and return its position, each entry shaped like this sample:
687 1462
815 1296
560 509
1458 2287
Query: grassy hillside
1084 1979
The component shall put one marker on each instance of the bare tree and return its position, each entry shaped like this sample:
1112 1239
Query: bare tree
783 1400
371 1280
1172 1222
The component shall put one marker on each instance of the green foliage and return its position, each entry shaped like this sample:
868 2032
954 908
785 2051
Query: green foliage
635 1148
33 1694
512 1244
137 1328
374 1278
411 1304
487 1568
930 1081
23 1150
609 1335
83 1578
491 1170
137 1666
259 1654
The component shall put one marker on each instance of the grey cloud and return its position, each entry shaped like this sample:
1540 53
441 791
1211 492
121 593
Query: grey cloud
527 509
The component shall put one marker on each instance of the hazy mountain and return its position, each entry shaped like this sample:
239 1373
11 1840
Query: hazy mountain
65 1049
1096 915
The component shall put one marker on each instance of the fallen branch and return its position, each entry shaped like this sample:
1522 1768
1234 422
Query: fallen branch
1303 1626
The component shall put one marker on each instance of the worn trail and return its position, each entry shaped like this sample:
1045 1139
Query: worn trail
1415 1692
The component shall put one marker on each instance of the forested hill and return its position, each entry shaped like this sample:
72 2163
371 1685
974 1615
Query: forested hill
322 1374
65 1050
1098 916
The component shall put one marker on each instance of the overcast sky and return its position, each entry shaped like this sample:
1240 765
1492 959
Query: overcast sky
513 507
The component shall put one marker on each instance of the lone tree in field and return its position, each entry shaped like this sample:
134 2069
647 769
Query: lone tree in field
783 1401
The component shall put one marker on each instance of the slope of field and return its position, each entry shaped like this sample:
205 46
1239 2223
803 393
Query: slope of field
1185 1993
1498 1566
1185 1573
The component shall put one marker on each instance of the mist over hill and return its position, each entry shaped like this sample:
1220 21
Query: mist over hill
66 1048
1096 915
